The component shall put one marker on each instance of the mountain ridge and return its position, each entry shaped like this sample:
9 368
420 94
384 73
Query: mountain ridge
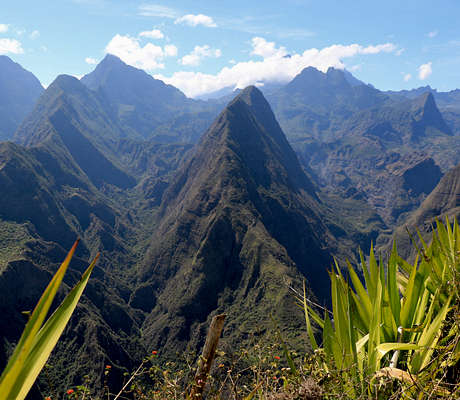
19 89
229 213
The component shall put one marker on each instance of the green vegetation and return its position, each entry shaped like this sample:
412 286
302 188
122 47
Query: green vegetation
394 335
402 324
38 339
12 236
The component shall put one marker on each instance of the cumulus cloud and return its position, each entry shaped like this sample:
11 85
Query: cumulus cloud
195 20
170 50
153 34
147 57
276 65
10 46
432 34
90 60
34 35
424 71
260 47
407 77
198 53
3 28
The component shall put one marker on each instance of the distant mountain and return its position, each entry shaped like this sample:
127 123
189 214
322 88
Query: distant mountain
140 101
448 103
359 141
314 104
19 89
443 99
147 106
239 223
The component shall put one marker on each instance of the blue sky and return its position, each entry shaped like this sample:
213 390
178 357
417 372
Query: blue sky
202 46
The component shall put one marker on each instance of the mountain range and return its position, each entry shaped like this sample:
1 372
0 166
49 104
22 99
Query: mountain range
201 207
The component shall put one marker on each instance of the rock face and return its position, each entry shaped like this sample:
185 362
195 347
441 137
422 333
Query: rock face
442 202
238 224
19 89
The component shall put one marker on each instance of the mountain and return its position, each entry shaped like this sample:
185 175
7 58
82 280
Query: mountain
147 107
442 202
139 101
443 99
239 224
47 202
19 89
72 119
314 104
448 103
359 141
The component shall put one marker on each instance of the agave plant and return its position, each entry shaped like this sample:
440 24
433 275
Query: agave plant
38 338
400 316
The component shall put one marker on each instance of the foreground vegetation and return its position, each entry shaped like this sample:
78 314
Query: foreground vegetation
395 334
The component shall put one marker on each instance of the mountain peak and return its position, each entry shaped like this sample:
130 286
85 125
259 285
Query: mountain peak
19 89
247 221
248 129
426 113
112 62
250 95
66 83
112 59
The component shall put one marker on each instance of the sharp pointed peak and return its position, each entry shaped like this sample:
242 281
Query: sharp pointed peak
111 59
251 96
426 100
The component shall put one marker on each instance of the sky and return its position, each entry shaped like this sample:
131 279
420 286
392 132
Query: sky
202 46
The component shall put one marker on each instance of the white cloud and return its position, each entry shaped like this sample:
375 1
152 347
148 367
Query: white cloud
275 66
156 10
10 46
3 28
170 50
407 77
90 60
400 51
260 47
198 53
386 48
34 35
153 34
147 57
432 34
424 71
194 20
